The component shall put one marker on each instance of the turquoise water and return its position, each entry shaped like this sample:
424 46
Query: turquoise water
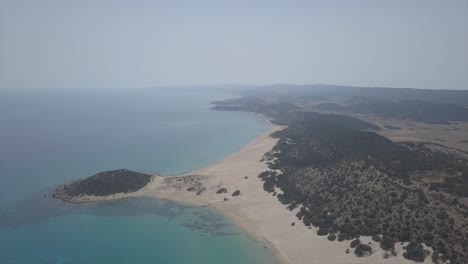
48 138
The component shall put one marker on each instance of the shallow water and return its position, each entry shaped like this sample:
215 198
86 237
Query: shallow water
48 138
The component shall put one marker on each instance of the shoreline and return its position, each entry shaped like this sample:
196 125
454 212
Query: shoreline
252 234
219 205
150 191
259 214
319 245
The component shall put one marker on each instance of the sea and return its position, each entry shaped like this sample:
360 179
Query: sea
51 137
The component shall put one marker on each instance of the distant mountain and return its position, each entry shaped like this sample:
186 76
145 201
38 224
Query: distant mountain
459 97
253 104
245 100
415 110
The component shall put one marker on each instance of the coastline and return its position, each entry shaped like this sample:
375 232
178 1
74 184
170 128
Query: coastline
258 213
255 211
220 205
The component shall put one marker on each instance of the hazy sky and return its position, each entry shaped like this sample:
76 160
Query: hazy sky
115 44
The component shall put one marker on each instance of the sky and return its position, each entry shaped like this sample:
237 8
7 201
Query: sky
98 44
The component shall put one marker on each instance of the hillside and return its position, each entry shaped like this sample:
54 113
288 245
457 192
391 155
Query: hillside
459 97
352 182
402 104
425 112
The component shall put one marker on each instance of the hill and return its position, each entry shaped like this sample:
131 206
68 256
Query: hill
349 181
425 112
106 183
459 97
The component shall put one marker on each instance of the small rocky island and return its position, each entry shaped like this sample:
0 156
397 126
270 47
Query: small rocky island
103 184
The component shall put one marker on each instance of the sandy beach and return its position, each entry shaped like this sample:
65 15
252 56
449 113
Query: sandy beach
256 211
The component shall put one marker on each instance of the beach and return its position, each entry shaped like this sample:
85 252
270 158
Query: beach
256 211
259 213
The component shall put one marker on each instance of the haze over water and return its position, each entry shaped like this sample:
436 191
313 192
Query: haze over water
49 138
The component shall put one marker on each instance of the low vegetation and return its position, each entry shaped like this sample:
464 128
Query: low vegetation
222 190
107 183
426 112
349 181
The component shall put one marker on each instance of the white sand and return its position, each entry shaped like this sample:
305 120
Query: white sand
260 213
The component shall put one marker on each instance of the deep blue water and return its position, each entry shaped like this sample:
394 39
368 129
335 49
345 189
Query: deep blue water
51 137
